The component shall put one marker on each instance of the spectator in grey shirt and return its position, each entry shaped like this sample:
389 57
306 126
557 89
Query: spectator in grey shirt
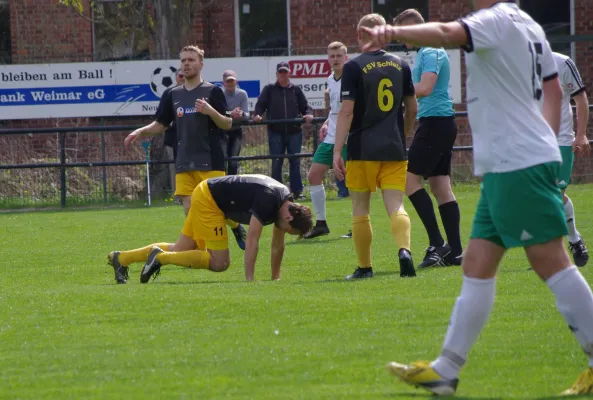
238 106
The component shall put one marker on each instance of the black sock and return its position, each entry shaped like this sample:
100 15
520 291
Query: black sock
450 217
423 205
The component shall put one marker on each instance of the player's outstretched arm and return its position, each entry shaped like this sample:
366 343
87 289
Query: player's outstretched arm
434 34
277 252
252 247
152 129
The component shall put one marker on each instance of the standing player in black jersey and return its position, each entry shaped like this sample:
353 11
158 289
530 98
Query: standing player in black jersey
256 200
198 109
374 86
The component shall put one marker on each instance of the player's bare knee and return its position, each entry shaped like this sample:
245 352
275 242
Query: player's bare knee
314 178
548 258
413 183
219 265
441 189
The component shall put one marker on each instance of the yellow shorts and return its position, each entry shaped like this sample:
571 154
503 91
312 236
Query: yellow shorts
205 222
186 182
366 176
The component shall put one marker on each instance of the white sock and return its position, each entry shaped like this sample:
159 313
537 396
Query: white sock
318 199
470 313
573 234
574 300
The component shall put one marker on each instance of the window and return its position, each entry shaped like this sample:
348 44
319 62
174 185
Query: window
119 31
5 45
554 17
391 8
263 26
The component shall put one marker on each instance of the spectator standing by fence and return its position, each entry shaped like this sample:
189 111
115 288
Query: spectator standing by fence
238 105
283 100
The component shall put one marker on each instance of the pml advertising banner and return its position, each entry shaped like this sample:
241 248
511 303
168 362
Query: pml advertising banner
126 88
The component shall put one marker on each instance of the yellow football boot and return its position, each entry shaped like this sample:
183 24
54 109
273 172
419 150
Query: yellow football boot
583 385
421 374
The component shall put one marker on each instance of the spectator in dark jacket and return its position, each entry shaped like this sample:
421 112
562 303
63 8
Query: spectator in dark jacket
283 100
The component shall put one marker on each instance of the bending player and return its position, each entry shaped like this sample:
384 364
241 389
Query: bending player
514 107
323 158
198 109
572 87
256 200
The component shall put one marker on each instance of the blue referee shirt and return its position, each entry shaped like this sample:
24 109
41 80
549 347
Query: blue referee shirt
438 103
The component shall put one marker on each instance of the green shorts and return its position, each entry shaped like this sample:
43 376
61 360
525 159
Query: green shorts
566 167
325 154
520 208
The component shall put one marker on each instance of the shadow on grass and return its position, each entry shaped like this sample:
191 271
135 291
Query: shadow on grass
305 242
425 395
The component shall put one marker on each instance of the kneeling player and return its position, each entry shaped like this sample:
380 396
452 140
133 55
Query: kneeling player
256 200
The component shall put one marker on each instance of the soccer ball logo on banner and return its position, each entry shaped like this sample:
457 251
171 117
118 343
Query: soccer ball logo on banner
162 78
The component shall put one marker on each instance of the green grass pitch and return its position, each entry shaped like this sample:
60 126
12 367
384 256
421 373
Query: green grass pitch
67 331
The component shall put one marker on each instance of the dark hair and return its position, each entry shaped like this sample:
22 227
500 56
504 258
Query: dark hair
302 219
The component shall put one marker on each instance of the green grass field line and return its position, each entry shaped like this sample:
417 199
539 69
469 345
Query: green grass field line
67 331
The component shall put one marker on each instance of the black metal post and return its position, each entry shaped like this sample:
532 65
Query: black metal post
63 169
104 168
315 137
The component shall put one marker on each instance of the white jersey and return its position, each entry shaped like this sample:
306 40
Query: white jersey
333 86
508 58
572 84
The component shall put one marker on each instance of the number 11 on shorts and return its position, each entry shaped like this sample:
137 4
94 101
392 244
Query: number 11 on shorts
218 231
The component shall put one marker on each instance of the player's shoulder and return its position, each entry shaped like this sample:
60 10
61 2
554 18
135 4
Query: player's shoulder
211 86
353 66
172 89
500 13
433 51
560 58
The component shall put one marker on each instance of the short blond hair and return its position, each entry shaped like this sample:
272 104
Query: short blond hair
371 20
337 46
194 49
411 14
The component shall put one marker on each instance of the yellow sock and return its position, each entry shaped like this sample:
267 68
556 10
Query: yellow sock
231 224
199 259
400 228
362 234
139 255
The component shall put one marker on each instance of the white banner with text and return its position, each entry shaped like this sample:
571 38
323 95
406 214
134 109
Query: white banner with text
126 88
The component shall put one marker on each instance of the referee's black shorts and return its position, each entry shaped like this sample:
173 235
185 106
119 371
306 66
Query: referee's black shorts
431 150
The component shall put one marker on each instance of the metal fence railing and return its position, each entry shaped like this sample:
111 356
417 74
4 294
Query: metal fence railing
84 165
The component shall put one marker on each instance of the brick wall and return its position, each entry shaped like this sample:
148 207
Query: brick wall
44 31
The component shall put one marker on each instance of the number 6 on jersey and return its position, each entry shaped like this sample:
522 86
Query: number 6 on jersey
384 95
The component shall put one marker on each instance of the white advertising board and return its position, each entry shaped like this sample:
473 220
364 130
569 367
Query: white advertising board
134 87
